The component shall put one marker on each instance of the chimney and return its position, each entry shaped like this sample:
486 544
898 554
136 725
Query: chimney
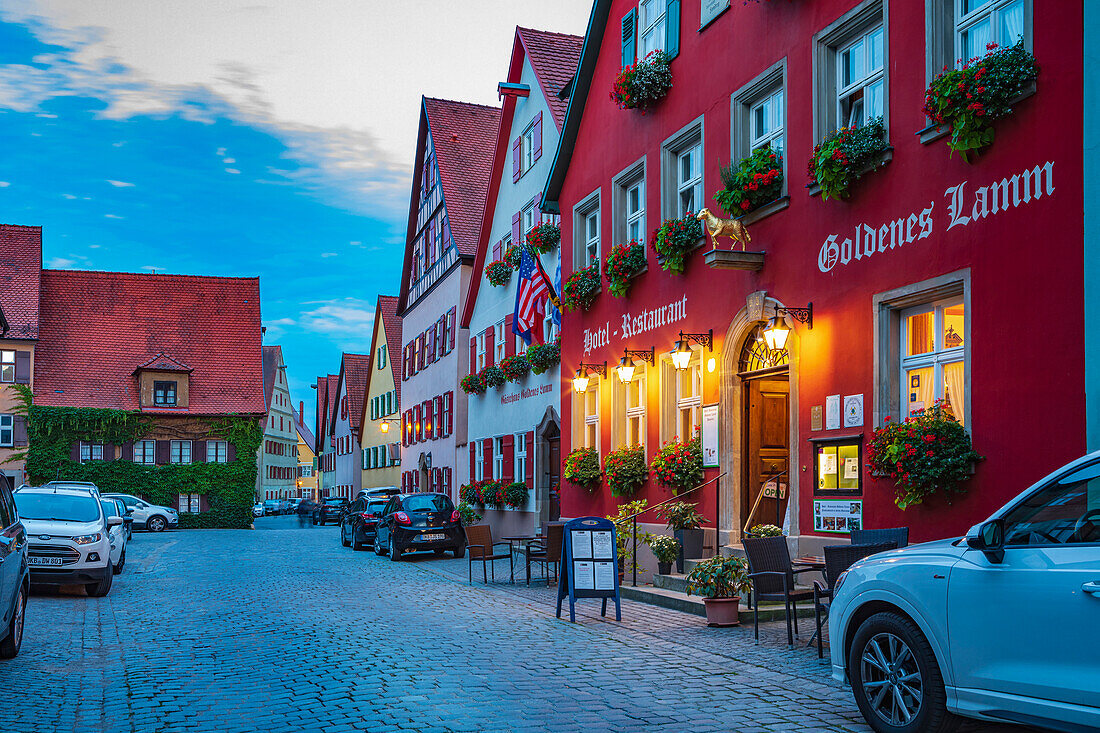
301 406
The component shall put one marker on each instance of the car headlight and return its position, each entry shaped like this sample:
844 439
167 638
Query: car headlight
839 582
88 539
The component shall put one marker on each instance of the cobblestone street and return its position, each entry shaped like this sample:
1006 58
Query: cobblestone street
282 629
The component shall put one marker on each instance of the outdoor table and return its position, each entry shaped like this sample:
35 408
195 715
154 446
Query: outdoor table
815 562
517 542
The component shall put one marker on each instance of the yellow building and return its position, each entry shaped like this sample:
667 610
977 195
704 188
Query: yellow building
307 460
380 424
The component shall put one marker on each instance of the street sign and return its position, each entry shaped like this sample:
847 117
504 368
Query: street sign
589 565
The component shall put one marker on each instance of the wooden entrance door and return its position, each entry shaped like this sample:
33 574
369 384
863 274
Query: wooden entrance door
767 421
553 470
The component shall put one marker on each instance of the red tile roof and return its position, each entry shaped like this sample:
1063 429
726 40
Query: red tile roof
332 392
97 328
322 414
463 135
554 58
164 363
20 278
356 371
391 324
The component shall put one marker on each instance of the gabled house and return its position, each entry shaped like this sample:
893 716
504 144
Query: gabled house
326 443
379 424
20 279
277 460
514 429
343 423
453 158
307 459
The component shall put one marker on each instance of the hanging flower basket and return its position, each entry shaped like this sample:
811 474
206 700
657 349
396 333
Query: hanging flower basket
751 182
582 468
679 466
498 272
970 99
581 288
493 376
620 267
515 367
641 85
675 239
845 156
512 256
929 453
544 237
473 384
542 357
625 470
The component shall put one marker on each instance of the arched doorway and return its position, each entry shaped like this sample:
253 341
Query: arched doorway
766 431
548 467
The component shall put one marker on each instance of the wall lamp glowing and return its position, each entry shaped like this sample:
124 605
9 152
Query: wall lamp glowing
385 426
775 335
626 364
580 382
681 350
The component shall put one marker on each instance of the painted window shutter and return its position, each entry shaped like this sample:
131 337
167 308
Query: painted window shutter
516 228
450 397
161 452
489 343
530 468
19 438
473 355
508 473
629 23
536 138
198 451
452 320
672 28
487 452
429 339
517 154
447 479
497 251
473 461
405 428
437 429
509 337
22 367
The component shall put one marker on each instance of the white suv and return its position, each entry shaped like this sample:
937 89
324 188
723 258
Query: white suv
148 516
1003 624
69 537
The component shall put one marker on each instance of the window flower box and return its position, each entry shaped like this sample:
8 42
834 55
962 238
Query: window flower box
625 262
751 183
675 240
643 84
473 384
679 466
515 367
543 357
498 272
845 156
625 470
543 238
493 376
581 289
582 469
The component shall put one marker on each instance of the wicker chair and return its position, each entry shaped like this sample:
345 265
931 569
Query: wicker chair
898 535
547 552
839 558
479 541
772 578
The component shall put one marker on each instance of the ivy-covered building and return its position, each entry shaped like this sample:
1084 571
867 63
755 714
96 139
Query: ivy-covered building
151 385
20 275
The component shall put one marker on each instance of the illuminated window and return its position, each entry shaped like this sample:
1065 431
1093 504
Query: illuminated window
933 363
860 79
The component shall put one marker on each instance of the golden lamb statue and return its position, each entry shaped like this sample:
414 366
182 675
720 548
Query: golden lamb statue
735 230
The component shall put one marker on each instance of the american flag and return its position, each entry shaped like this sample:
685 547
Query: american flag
532 291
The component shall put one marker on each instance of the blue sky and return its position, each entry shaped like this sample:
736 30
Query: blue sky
244 139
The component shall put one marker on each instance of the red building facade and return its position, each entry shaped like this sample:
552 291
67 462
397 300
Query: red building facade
937 279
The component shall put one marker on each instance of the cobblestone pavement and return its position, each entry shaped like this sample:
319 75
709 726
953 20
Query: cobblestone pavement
285 630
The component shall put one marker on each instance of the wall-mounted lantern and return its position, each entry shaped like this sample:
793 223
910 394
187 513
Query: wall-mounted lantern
681 350
775 335
626 364
580 381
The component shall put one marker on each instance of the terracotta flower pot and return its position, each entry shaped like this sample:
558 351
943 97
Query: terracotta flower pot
723 611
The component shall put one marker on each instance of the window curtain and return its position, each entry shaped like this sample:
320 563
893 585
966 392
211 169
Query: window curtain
954 375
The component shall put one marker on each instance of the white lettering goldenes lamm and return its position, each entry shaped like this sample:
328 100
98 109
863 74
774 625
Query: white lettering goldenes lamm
995 198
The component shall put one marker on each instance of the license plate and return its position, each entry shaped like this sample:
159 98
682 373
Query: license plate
431 537
32 560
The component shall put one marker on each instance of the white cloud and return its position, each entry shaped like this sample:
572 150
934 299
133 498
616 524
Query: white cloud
120 184
93 246
5 184
68 196
219 152
234 171
348 321
113 216
59 263
229 161
328 254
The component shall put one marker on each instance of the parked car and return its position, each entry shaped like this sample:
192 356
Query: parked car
127 517
359 522
15 583
69 540
271 507
378 492
117 534
998 625
148 516
329 510
415 522
75 484
258 509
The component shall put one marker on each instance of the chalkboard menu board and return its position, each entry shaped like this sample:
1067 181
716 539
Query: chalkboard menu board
589 565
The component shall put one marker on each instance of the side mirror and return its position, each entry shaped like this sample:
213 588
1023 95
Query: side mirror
114 521
990 540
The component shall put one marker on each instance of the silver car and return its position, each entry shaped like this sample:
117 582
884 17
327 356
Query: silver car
148 516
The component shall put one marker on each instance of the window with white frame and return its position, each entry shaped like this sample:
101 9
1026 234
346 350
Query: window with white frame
628 206
479 461
145 452
498 458
766 119
587 232
689 179
521 345
651 26
91 451
682 398
499 344
530 218
180 451
635 213
217 451
480 351
7 430
861 79
305 469
528 153
189 503
933 364
981 23
630 410
682 171
590 412
520 472
382 356
7 366
550 328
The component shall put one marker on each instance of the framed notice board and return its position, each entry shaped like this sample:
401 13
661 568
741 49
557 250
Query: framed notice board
838 465
589 566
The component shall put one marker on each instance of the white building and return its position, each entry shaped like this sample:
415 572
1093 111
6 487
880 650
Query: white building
277 458
343 424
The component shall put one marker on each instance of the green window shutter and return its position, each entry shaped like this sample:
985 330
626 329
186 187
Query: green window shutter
630 22
672 28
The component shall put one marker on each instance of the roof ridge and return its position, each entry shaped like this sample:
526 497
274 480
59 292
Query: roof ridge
523 28
460 103
148 274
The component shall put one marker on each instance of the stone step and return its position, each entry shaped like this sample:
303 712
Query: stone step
678 582
680 601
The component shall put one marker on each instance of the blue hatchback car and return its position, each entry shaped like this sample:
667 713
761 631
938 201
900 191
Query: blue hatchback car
15 583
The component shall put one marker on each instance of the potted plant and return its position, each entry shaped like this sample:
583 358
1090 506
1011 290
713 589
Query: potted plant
679 466
641 85
845 155
720 581
622 264
685 523
625 470
493 376
473 384
675 239
542 357
515 367
470 494
498 272
970 99
492 494
927 454
581 288
515 494
544 237
467 514
582 468
666 549
764 530
624 535
751 182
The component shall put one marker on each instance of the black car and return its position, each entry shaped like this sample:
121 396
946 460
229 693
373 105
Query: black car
414 522
330 510
358 524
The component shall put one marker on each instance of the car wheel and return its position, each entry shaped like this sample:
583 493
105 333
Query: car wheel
377 547
156 524
460 551
343 537
395 551
121 563
9 647
896 680
103 587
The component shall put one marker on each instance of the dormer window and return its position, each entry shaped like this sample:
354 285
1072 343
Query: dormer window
164 394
